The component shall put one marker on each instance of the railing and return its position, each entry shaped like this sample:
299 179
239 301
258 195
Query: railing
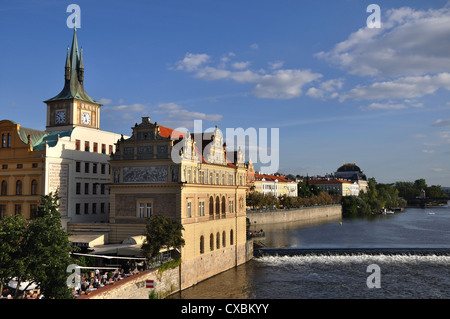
258 234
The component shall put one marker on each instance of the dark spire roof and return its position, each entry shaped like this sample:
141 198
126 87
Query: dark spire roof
73 87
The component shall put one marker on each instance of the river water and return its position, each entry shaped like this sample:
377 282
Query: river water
346 276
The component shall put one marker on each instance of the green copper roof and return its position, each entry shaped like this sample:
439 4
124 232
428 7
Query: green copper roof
73 87
51 138
35 135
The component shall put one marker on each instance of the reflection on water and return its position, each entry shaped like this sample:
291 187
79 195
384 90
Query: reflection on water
286 277
286 234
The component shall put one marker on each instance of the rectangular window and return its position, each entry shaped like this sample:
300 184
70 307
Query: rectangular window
78 167
77 145
95 147
103 168
86 208
3 140
78 189
86 167
34 165
231 206
102 208
102 189
141 210
94 168
110 149
2 211
103 148
5 166
77 209
19 165
189 212
33 211
86 188
144 209
94 208
17 209
201 208
86 146
94 189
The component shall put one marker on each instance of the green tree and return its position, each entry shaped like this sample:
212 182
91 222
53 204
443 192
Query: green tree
12 229
46 250
161 232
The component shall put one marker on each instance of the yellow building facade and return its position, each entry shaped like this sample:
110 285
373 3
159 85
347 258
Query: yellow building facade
21 171
190 180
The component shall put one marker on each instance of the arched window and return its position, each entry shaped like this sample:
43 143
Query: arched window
231 237
4 191
224 239
211 208
218 240
211 242
223 206
19 187
202 244
34 187
217 207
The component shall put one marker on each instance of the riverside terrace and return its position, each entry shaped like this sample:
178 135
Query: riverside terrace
96 279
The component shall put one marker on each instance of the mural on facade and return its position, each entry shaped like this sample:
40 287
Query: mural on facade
149 174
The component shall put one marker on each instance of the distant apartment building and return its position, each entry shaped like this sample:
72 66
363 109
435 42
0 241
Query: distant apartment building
275 185
337 186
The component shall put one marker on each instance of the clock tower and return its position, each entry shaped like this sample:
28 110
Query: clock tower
72 106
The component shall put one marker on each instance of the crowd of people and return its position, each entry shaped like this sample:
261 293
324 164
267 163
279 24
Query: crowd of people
29 294
99 278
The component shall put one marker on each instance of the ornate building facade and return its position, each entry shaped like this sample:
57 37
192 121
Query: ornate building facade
189 179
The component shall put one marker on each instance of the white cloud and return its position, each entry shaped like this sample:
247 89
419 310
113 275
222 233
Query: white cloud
442 123
191 61
275 65
428 151
280 84
254 46
410 42
240 65
326 89
176 112
384 106
405 87
284 84
127 108
105 101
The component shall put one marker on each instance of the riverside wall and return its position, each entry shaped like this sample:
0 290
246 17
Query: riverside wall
134 287
294 215
179 278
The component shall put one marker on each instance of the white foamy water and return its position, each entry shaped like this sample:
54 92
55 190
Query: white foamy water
352 259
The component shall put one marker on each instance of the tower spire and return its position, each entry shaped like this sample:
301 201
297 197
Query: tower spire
74 74
67 67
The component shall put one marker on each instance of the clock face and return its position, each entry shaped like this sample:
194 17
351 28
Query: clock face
60 117
86 118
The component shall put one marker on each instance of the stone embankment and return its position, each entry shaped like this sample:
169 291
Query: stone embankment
294 215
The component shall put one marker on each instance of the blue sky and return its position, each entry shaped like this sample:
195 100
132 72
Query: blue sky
337 90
